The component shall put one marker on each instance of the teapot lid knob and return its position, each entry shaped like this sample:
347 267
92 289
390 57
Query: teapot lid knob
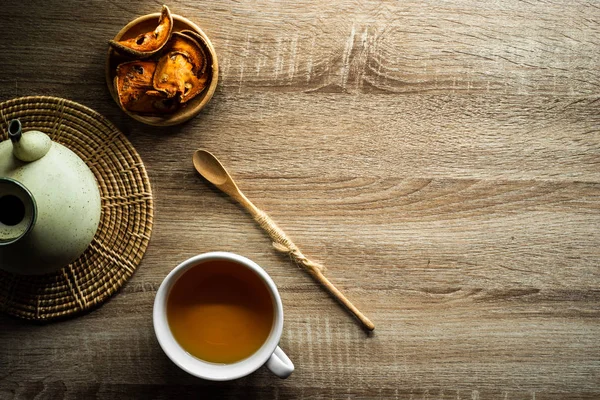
29 146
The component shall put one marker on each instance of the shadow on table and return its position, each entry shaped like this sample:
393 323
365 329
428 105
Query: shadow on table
179 384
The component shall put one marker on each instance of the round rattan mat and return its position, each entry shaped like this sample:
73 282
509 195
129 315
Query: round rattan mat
125 223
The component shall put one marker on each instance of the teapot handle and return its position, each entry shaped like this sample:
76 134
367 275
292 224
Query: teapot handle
14 130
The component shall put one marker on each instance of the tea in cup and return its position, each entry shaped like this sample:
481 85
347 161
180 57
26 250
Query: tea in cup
219 316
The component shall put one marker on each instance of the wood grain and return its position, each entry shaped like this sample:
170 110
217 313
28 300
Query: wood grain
441 158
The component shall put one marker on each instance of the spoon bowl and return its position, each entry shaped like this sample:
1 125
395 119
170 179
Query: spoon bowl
210 168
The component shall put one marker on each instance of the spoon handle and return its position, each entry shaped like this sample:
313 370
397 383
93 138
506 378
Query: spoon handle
282 243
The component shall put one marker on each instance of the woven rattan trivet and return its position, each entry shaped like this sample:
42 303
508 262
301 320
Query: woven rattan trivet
125 223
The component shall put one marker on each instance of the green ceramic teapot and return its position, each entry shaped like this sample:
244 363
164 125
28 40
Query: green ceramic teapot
49 203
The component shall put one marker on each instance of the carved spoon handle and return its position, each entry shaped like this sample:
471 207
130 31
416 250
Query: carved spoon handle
212 170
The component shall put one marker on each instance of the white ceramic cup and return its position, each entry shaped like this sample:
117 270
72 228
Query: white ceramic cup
269 353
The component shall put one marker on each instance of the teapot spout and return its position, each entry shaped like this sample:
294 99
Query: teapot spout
18 211
28 146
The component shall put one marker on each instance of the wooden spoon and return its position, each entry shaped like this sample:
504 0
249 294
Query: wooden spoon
212 170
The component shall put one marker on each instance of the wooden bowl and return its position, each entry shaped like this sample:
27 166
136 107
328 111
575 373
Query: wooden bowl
148 23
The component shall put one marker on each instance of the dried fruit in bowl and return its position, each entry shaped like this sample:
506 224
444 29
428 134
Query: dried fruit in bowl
189 43
133 84
204 72
149 43
202 46
181 71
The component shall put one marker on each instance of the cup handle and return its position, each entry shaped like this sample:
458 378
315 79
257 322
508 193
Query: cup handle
280 364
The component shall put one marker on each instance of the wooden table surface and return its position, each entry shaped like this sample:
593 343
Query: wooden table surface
441 158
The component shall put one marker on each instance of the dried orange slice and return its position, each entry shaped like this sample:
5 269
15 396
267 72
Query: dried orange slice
133 84
149 43
181 71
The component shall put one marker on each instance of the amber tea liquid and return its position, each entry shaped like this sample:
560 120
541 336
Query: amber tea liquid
220 311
